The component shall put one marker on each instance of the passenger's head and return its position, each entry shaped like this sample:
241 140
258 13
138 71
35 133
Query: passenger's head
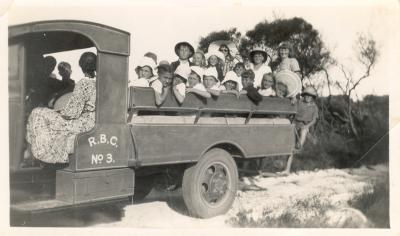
181 74
88 64
64 69
214 57
281 90
258 55
224 49
199 59
247 78
49 63
195 76
165 74
284 50
184 50
267 81
210 77
230 81
309 94
239 68
146 68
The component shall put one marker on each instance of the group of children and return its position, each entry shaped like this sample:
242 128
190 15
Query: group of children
218 72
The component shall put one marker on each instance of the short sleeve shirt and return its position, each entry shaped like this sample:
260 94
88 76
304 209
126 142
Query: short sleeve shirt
181 88
157 86
306 112
289 64
264 69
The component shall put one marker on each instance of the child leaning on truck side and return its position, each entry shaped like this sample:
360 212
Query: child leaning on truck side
162 85
181 76
194 82
248 87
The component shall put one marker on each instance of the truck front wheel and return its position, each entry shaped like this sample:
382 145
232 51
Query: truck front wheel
209 187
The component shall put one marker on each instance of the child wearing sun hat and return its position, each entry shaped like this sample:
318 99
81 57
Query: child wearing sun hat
258 57
184 51
211 82
194 82
230 83
146 73
216 59
181 76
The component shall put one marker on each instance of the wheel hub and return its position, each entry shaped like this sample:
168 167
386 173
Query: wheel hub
215 183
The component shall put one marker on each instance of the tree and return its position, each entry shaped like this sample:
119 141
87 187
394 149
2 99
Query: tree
308 47
367 55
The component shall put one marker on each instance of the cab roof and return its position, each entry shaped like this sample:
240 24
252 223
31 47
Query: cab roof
72 34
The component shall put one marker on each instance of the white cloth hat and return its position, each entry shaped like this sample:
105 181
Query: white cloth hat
211 71
216 53
231 76
198 70
147 61
183 71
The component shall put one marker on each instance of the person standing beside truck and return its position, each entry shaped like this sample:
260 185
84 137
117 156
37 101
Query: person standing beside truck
51 133
306 116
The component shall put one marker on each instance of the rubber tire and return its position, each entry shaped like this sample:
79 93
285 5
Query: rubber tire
196 205
143 186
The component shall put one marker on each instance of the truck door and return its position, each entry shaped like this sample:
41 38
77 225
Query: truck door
16 75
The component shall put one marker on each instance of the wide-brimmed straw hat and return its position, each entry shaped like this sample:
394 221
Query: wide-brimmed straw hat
198 70
259 49
184 44
231 76
214 46
211 71
309 91
217 53
183 71
146 61
291 80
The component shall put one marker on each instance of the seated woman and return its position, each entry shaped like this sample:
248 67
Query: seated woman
51 133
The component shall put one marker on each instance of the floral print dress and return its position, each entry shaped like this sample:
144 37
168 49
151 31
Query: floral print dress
52 133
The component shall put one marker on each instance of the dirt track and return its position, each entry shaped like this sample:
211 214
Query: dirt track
302 196
265 197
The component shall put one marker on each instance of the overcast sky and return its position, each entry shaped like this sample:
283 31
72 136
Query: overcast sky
155 27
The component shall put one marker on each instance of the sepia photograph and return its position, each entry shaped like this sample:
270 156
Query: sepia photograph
197 115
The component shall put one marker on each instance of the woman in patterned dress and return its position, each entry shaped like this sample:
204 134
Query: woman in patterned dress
51 133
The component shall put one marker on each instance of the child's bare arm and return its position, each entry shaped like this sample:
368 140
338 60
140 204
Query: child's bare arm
178 95
160 98
213 92
199 92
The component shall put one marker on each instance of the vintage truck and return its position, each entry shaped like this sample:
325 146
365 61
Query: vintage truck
201 141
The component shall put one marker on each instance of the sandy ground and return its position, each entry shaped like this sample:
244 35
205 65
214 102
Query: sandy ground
260 197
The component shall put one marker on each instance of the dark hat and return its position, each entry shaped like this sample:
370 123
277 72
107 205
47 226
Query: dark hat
178 45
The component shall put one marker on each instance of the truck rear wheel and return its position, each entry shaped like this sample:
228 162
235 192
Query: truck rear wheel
209 187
